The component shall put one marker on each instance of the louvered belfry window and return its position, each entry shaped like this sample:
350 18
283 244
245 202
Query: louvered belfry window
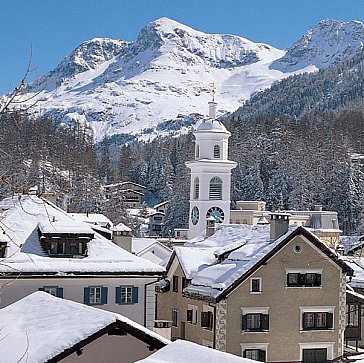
215 192
197 188
217 152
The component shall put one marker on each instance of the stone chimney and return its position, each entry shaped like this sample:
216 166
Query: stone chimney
122 236
210 226
279 223
212 109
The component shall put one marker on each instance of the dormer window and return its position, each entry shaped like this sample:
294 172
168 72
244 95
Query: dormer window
217 152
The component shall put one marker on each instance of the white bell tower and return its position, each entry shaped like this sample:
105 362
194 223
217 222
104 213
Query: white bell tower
210 175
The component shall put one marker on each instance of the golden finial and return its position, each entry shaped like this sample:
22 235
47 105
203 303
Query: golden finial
213 90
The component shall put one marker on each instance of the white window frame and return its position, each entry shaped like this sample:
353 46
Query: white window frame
194 309
95 295
317 309
52 290
251 285
328 345
260 346
126 294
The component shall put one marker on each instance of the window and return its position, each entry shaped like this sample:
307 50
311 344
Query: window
196 189
184 282
2 249
192 314
255 322
317 320
158 218
95 295
255 285
174 317
255 354
303 279
175 284
126 295
352 315
215 192
207 318
53 290
197 151
217 152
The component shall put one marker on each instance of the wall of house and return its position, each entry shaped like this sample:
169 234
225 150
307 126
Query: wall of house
73 289
109 348
283 304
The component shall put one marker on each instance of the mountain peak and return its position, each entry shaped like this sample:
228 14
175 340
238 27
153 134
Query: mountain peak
330 41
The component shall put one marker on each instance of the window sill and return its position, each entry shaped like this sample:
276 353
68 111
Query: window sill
255 292
255 331
317 330
303 287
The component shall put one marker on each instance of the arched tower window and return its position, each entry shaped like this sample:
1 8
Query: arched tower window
217 152
215 192
197 151
196 189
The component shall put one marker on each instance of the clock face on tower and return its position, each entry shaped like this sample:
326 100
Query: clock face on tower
217 213
195 215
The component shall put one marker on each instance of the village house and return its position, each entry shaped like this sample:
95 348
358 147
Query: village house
44 248
129 192
249 290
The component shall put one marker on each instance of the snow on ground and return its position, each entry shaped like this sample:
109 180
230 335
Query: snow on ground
39 327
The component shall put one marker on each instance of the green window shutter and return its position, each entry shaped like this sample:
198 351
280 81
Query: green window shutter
329 320
104 295
135 295
59 292
118 295
264 321
86 295
244 323
261 355
304 321
318 280
41 289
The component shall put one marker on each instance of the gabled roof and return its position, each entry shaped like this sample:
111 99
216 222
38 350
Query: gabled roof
160 204
19 220
39 326
218 280
182 351
139 245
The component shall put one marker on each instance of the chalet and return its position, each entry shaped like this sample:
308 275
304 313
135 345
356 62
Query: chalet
156 223
38 328
251 290
46 249
130 193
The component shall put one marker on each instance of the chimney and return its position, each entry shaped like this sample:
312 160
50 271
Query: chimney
212 109
279 223
210 226
122 236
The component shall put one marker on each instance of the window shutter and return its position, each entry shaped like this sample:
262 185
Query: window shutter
41 289
243 323
304 321
59 292
118 295
261 355
189 316
301 279
86 295
244 353
135 295
329 320
104 295
264 321
318 280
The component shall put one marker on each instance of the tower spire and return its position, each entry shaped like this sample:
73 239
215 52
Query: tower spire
212 104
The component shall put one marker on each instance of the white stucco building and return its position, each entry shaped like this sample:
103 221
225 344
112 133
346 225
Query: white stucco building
210 175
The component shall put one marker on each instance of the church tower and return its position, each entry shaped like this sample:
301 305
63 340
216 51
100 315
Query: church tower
210 175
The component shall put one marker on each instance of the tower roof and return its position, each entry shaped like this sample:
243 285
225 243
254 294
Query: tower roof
212 126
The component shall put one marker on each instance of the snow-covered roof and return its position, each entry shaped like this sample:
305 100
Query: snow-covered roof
93 218
160 204
39 327
19 220
67 227
182 351
211 279
212 126
141 244
121 227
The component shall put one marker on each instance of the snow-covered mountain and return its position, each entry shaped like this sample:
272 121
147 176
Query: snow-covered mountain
120 87
326 43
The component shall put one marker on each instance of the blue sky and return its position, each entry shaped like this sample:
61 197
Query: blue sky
53 28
